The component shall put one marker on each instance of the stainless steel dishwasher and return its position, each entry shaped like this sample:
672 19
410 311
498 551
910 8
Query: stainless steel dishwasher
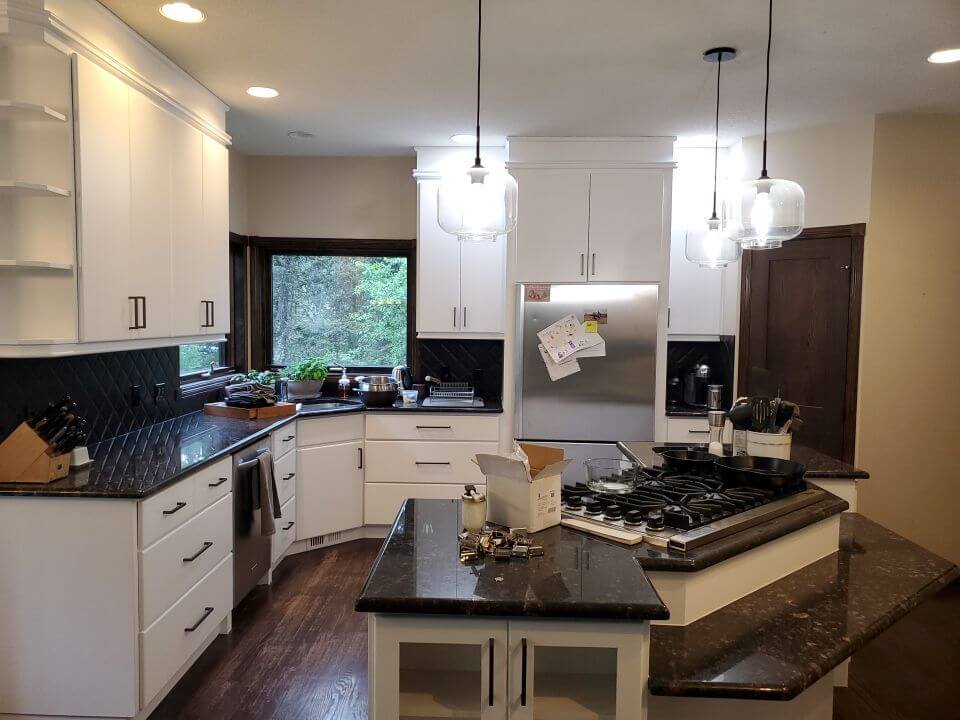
251 549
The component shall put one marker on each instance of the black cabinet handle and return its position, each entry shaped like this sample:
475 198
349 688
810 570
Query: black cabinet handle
360 451
198 623
206 546
288 438
582 255
434 427
218 483
139 320
424 462
594 259
289 525
213 313
454 315
290 476
523 672
207 313
177 508
490 675
464 315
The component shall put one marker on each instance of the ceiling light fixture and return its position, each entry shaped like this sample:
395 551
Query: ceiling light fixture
709 244
262 92
182 12
771 209
480 204
463 139
940 57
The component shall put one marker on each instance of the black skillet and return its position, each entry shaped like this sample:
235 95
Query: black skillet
688 460
760 472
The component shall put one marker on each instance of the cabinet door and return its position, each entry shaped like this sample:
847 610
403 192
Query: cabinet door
148 272
215 261
329 489
482 278
695 293
438 268
551 234
103 198
186 155
435 667
627 240
577 670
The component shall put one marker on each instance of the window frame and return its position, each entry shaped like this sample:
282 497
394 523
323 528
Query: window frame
263 250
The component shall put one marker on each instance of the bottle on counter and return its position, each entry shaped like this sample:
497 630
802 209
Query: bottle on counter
716 420
343 384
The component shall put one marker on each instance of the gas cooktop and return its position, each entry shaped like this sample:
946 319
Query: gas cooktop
678 511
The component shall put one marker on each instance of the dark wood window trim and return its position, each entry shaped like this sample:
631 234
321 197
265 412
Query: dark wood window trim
856 232
262 250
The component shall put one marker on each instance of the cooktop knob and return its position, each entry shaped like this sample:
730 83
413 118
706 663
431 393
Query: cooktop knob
655 520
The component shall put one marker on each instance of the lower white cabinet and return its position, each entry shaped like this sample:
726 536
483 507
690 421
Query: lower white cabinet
283 538
688 430
493 669
329 488
381 501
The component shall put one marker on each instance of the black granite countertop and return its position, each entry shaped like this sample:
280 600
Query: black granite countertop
818 465
781 639
418 570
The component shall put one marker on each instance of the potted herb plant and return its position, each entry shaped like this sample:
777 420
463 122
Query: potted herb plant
305 378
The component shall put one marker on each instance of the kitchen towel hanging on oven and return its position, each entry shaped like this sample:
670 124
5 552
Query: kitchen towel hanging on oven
257 491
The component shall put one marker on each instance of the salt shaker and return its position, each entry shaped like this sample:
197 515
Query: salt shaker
474 508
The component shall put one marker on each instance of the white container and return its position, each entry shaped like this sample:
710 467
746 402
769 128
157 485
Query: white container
518 497
474 511
772 445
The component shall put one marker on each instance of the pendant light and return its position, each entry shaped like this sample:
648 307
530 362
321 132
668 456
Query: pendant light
709 244
771 209
480 204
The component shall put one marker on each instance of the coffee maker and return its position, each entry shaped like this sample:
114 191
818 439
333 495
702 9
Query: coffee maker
695 382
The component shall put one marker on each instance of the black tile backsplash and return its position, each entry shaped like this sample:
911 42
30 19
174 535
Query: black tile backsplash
100 384
459 360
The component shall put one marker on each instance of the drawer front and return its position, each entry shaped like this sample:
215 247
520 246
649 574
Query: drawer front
688 430
174 564
381 501
285 474
283 440
281 540
424 462
323 430
213 482
433 426
167 510
167 644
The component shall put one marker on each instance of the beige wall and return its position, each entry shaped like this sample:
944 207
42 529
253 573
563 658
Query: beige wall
910 343
329 197
831 163
238 193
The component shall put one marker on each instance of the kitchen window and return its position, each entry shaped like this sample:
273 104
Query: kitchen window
199 357
347 301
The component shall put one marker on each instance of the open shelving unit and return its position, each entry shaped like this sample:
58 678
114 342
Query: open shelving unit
18 110
34 265
29 188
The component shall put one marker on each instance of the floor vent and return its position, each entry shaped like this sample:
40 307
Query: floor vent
320 540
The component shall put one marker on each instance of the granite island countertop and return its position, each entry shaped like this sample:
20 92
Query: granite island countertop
418 570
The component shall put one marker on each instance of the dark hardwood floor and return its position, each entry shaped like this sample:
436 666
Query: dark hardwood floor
298 650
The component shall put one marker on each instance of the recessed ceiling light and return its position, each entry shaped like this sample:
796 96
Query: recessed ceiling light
182 12
300 135
951 55
463 139
262 92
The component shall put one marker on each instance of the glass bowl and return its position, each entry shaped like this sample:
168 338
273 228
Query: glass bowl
611 475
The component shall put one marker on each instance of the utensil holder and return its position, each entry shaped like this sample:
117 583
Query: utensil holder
772 445
25 457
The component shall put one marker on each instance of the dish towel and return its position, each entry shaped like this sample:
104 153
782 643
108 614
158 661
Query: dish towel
269 499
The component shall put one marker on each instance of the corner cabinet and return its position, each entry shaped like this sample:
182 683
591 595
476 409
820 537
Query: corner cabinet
460 286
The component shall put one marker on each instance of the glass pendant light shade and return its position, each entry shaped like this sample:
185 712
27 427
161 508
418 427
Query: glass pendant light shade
477 205
709 244
771 212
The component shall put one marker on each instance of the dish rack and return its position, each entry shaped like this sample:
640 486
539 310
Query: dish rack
452 391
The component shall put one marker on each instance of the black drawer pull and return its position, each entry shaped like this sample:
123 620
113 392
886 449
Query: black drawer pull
290 476
218 483
198 623
177 508
434 427
206 546
523 672
490 676
360 463
419 462
289 525
288 438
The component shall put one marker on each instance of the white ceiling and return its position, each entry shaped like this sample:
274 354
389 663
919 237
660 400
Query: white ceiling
381 76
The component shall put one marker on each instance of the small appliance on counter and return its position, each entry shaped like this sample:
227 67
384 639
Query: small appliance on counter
695 382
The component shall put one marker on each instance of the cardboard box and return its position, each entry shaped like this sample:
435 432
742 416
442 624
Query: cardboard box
518 498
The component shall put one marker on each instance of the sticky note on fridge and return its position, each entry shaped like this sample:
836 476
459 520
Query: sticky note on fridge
598 350
555 370
590 326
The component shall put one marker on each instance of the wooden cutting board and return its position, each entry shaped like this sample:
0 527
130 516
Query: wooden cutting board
281 409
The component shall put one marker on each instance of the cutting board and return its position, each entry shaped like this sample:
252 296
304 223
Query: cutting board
281 409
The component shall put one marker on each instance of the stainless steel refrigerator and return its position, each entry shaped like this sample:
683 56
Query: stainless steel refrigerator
612 397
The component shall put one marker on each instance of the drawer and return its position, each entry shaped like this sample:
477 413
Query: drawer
283 440
323 430
433 426
167 644
213 482
424 462
281 540
381 501
167 510
176 563
285 475
688 430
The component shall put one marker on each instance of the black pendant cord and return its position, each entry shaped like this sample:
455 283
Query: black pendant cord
716 138
476 161
766 93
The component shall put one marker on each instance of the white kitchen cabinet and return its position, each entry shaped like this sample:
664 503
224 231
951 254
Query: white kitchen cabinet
186 154
329 489
482 280
438 267
214 249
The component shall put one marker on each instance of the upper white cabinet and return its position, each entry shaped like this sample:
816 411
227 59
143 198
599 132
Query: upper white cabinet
592 210
460 286
186 155
214 246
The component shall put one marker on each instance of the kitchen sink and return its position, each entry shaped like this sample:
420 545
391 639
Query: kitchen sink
329 404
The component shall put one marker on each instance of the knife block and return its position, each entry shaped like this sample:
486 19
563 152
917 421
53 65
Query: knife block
25 457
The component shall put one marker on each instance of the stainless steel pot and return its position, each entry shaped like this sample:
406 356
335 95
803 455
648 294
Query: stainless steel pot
377 390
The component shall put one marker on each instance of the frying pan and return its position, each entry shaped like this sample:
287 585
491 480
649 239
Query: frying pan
761 472
695 461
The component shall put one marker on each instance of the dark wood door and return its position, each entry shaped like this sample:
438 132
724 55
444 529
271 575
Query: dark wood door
800 322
